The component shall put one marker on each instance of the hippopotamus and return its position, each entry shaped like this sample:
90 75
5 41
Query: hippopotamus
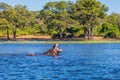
54 51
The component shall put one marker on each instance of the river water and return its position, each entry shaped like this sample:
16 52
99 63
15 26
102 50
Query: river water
76 62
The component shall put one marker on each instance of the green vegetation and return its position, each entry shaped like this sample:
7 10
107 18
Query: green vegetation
63 19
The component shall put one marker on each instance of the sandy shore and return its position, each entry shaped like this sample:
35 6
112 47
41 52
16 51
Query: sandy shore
47 37
29 37
34 37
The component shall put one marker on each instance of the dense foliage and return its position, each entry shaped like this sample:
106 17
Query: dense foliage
63 19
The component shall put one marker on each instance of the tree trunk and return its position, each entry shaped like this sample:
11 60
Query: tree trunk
91 33
14 35
85 30
60 35
88 33
7 33
84 34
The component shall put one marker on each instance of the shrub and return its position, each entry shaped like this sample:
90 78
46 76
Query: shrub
114 33
110 34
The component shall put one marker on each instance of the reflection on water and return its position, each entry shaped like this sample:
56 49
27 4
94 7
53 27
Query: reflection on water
77 62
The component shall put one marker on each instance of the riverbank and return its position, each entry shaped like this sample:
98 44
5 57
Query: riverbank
58 41
48 39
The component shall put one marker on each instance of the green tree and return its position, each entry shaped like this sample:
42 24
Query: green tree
4 6
87 13
5 17
57 16
20 18
4 24
110 28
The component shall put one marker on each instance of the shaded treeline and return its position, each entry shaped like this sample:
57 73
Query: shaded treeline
63 19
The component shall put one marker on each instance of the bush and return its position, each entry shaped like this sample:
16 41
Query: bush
110 34
82 35
54 34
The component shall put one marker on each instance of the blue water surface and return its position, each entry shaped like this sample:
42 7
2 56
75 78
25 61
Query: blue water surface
76 62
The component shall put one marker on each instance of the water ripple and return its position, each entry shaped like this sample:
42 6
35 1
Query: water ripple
78 62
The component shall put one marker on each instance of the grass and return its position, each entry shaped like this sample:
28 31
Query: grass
60 42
